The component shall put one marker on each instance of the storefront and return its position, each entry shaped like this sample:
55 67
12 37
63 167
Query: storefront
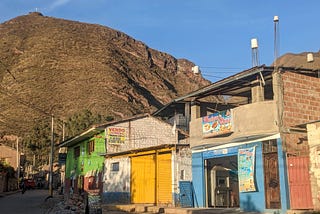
250 175
145 176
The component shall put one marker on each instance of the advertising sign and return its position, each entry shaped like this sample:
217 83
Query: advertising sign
116 135
246 160
218 123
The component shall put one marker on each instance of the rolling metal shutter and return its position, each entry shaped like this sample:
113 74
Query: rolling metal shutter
143 179
164 179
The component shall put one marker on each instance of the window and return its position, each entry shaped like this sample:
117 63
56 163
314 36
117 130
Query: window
115 167
77 151
91 147
269 146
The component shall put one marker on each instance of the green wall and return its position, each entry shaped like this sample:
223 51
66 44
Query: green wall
86 162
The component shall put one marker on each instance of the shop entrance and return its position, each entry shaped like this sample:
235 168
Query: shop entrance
222 182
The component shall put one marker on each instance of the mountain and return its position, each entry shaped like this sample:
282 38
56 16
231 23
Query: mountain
60 67
299 60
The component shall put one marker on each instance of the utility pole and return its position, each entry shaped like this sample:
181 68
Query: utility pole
18 161
51 160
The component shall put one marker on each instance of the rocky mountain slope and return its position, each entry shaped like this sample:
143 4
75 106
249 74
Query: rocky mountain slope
56 66
299 60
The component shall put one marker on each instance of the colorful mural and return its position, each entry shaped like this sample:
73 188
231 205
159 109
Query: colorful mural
217 123
246 161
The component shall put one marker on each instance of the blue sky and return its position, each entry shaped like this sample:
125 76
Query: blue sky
214 34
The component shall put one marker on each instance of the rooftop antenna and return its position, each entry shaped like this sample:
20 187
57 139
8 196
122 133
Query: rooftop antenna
255 53
276 40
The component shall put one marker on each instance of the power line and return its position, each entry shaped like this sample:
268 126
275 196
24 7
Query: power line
223 68
27 104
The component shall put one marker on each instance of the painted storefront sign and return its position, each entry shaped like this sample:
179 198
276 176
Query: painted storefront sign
116 135
246 161
217 124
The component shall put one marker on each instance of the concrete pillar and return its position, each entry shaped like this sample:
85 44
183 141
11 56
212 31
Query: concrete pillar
195 110
187 114
257 91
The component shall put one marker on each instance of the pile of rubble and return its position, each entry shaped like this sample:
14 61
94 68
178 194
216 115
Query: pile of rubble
58 204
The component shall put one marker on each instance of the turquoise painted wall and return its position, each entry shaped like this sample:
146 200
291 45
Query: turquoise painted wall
86 162
198 179
249 201
284 185
254 201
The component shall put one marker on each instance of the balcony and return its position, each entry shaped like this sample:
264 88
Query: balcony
249 121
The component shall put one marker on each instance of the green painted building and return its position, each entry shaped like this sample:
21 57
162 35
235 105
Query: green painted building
85 161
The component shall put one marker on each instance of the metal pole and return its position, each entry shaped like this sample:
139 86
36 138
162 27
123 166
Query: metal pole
18 162
51 160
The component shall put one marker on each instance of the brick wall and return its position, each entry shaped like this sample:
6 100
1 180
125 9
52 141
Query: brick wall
301 99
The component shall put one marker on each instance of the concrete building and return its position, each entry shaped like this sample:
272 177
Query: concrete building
246 149
84 161
135 160
146 160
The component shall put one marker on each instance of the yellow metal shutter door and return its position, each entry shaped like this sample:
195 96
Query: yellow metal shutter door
164 190
143 179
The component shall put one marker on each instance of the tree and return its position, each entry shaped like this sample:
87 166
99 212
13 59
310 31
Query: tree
83 120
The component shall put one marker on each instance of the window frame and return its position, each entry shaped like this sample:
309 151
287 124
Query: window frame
91 146
76 151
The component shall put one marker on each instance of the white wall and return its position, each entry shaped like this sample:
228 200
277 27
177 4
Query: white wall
117 181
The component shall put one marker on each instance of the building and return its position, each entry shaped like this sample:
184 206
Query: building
84 161
146 160
246 149
8 157
140 159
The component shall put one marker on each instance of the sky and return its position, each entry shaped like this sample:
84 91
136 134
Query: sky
214 34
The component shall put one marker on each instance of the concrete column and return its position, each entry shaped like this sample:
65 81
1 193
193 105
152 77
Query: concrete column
187 114
195 110
257 92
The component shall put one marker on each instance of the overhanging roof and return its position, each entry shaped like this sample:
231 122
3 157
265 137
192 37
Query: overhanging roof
94 130
81 137
152 148
236 85
302 127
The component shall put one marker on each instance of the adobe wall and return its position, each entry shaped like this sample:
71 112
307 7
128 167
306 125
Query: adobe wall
9 154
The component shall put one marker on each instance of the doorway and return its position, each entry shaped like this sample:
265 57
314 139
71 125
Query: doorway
222 182
271 174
